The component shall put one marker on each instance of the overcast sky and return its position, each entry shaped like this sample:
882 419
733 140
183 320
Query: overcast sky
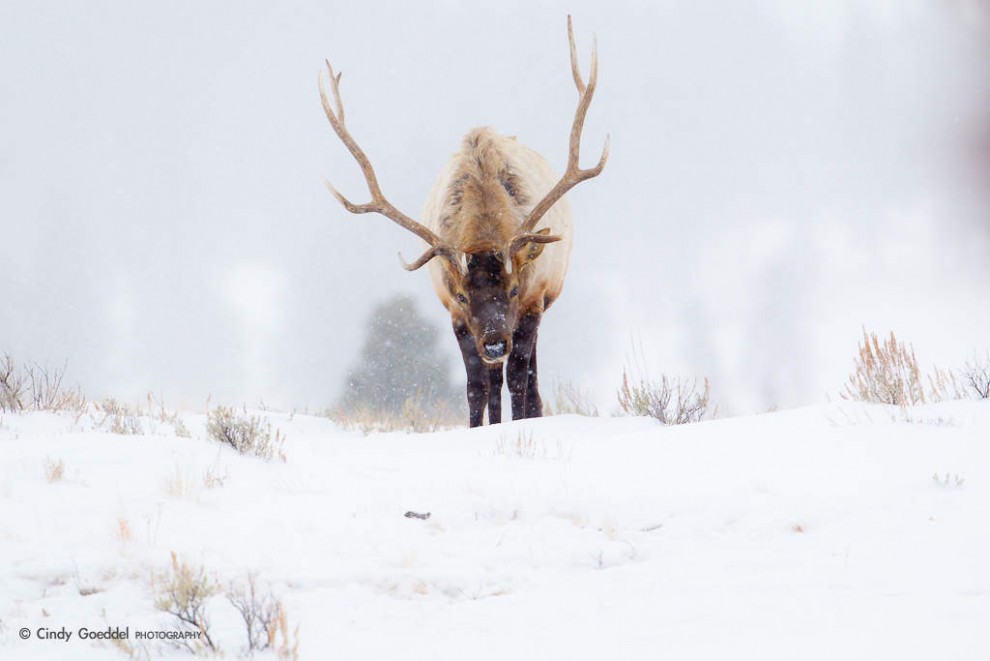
781 175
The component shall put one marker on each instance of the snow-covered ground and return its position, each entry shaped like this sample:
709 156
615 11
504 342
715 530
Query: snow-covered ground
830 532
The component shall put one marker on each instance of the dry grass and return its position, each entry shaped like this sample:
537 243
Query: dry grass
122 530
179 484
522 445
158 411
525 446
568 399
414 417
887 372
286 646
943 386
213 478
117 418
54 470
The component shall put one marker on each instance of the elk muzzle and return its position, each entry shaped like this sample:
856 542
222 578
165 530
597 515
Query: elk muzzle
494 347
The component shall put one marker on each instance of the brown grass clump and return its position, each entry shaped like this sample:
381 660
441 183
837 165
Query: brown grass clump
886 373
416 417
54 470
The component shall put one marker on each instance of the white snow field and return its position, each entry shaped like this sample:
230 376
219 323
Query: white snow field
837 531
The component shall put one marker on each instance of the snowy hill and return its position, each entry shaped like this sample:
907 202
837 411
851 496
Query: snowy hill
830 532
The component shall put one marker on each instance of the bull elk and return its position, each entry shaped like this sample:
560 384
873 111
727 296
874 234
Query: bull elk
498 241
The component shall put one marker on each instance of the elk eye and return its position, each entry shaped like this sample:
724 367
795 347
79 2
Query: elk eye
514 292
462 298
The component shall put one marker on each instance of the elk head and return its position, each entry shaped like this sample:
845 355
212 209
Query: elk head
490 289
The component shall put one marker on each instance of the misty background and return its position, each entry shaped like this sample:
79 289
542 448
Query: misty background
781 174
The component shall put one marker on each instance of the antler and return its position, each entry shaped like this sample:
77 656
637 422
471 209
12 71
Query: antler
378 204
574 174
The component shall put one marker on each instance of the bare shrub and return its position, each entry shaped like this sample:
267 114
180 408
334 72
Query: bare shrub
248 434
47 391
54 470
568 399
886 373
669 400
264 619
183 592
13 385
36 387
976 375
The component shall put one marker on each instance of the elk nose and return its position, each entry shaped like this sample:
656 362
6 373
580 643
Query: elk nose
495 349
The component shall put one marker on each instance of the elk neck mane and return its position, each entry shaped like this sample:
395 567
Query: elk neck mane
487 198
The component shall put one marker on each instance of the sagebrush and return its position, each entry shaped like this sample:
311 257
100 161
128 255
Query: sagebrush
184 593
670 400
248 434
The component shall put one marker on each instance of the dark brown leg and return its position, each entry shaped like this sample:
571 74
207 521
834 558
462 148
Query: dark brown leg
517 368
494 394
477 376
534 404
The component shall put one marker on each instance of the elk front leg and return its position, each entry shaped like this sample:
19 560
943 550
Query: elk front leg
518 368
477 375
534 403
495 394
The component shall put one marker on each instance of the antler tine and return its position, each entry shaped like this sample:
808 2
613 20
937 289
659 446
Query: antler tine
335 85
575 67
521 239
435 251
574 174
379 203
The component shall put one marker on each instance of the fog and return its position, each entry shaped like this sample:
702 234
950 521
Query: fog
781 175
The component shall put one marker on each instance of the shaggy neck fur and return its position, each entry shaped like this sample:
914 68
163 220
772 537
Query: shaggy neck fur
487 192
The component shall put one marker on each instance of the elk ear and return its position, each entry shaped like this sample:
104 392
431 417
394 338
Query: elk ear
530 250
